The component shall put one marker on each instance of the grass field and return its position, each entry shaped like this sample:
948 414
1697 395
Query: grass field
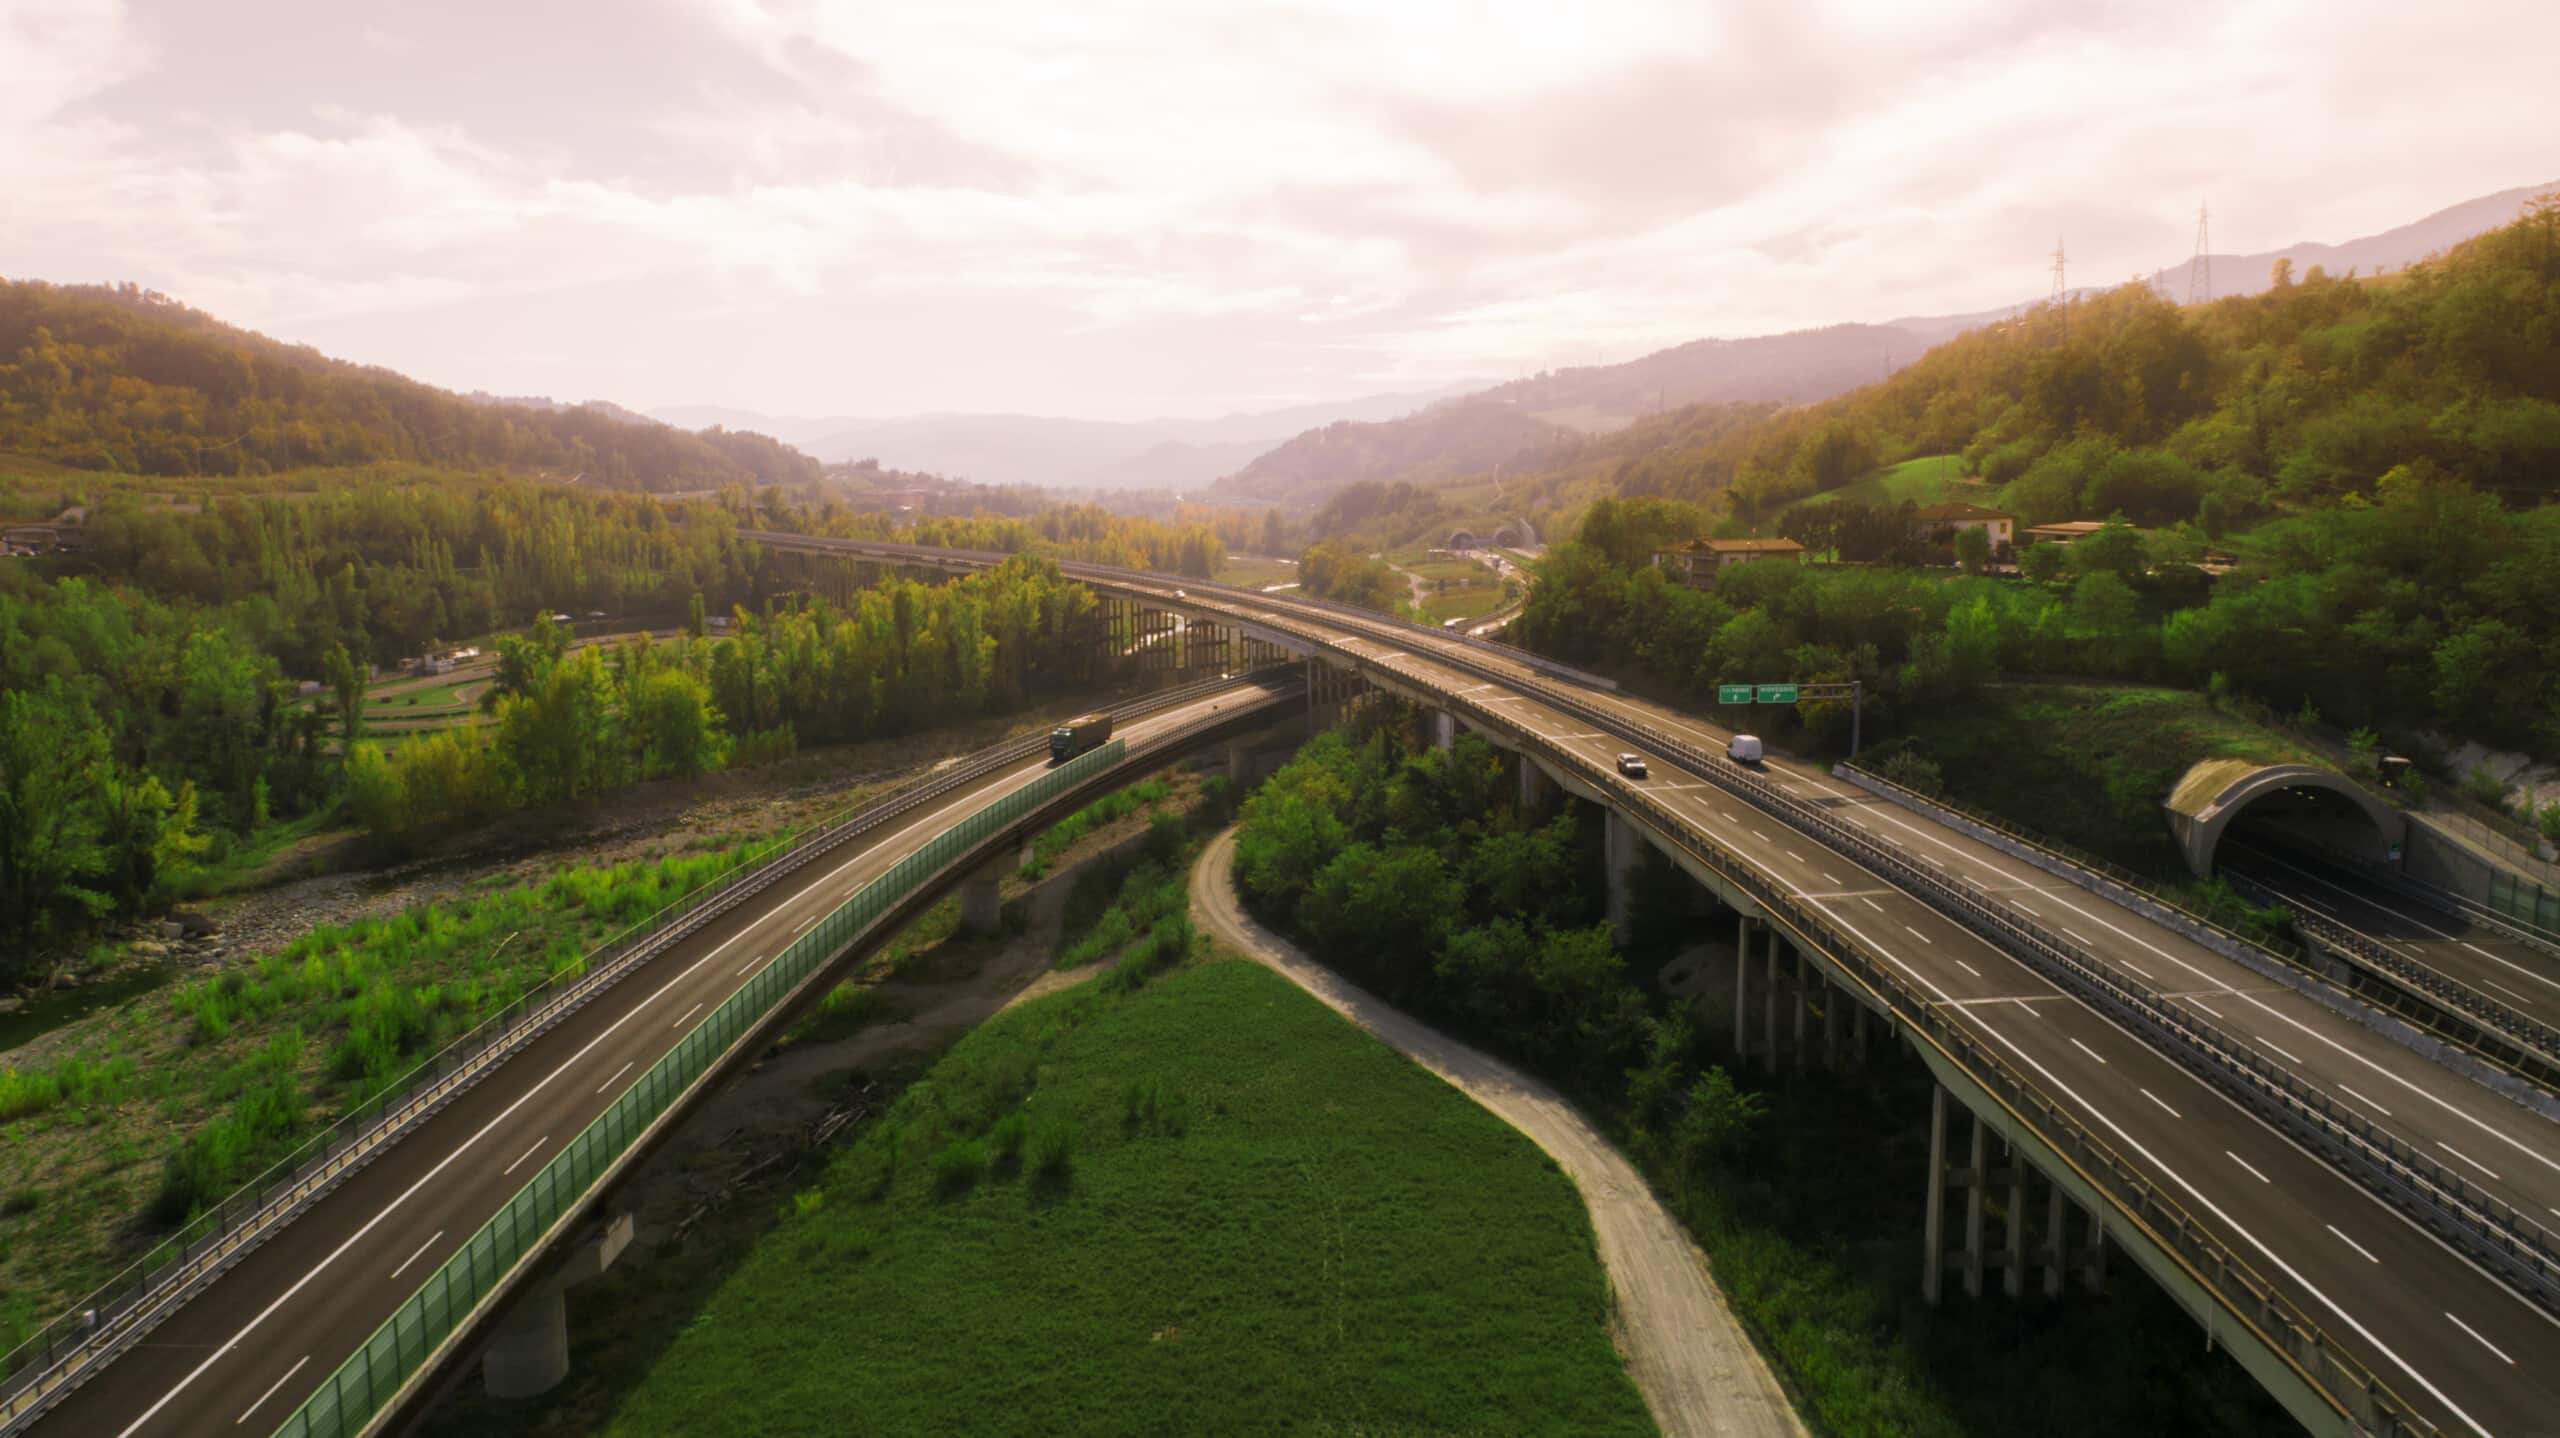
1928 480
1252 572
1205 1204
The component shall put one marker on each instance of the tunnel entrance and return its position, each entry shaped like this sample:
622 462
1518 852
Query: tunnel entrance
2293 806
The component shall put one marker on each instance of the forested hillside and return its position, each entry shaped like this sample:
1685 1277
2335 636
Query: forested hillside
2390 448
127 380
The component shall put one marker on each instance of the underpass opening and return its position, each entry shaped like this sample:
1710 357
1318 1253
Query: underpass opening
2293 806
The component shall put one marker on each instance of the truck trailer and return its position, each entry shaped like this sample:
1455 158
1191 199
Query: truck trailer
1077 735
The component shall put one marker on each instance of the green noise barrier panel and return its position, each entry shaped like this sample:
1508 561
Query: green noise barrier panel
368 1380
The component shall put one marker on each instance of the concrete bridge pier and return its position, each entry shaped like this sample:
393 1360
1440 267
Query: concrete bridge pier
1444 730
2055 1254
1538 792
981 901
529 1353
1623 849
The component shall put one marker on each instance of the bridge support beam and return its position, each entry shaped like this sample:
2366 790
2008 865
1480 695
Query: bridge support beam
1537 791
1624 848
529 1352
1444 730
1741 989
981 902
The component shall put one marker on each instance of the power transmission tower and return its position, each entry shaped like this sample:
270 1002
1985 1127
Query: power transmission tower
2061 295
2200 270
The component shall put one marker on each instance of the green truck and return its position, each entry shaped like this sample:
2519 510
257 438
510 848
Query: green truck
1077 735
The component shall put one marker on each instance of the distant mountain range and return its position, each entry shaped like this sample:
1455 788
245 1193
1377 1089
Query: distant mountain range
1074 453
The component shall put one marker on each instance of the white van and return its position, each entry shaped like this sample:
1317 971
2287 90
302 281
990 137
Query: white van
1743 749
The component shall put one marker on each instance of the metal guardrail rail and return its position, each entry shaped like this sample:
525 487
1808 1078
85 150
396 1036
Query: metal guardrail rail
2413 993
349 1398
2540 1041
68 1350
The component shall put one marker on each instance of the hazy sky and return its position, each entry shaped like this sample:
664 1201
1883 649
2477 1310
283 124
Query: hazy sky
1130 208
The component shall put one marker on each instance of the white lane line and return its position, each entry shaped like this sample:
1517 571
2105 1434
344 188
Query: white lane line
617 1077
2137 968
412 1258
2351 1243
1915 933
2483 1342
1799 858
2502 988
749 964
305 1358
2510 963
2028 1005
2360 1098
2077 937
2093 1053
1870 903
689 1013
2208 1008
2279 1053
2164 1103
2023 904
2174 1176
1763 838
2466 1158
804 923
528 1153
1727 817
2244 1163
1968 968
1835 878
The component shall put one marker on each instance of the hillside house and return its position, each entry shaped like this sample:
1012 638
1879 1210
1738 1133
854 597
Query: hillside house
1941 523
1698 562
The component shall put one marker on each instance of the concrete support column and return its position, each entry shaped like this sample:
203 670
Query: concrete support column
529 1352
2057 1240
1831 999
1804 982
2013 1254
1769 1010
981 905
1622 847
1444 730
1977 1177
1537 791
1933 1224
1862 1032
2093 1272
1741 988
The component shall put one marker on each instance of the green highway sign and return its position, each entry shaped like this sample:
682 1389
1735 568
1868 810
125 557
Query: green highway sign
1733 694
1777 694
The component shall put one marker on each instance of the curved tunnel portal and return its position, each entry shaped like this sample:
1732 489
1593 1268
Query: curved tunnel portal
2288 806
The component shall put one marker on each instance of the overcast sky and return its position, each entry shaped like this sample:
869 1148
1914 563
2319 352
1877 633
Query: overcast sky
1123 209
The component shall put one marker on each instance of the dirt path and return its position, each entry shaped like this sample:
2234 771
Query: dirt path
1686 1352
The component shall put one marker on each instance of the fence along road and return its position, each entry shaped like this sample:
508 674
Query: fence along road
247 1351
2465 1349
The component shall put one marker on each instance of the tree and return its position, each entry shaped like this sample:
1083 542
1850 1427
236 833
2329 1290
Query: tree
2115 548
53 756
695 622
2043 562
346 686
2280 277
1973 548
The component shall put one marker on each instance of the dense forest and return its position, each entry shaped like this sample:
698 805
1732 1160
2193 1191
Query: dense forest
128 380
149 723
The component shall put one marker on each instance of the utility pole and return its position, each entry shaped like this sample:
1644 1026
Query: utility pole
2200 269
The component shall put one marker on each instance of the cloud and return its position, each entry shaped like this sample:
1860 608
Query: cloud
1124 206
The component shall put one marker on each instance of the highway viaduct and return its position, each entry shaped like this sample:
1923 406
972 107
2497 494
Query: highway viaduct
2363 1228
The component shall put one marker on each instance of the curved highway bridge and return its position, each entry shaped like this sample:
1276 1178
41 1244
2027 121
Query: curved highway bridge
2369 1232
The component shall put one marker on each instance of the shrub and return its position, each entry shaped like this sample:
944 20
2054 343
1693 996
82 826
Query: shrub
958 1167
808 1201
1053 1150
1914 771
1007 1138
2483 787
